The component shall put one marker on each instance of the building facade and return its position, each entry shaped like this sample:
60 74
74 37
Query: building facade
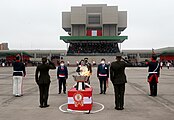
4 46
103 20
93 28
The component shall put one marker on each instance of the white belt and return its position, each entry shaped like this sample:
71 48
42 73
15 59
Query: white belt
102 75
152 72
17 71
61 75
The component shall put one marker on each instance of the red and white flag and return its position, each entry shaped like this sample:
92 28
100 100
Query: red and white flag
94 33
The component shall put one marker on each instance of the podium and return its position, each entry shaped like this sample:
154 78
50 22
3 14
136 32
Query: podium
80 96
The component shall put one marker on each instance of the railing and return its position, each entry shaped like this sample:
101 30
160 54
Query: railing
91 54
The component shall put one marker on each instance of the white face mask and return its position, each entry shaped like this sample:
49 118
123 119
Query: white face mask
61 64
102 62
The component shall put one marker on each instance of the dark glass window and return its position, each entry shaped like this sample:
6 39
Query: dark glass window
145 55
93 19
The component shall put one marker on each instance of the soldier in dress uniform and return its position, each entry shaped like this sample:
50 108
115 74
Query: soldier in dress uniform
118 78
62 76
154 72
43 80
18 73
103 75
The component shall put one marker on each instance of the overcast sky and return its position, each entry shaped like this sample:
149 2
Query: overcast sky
36 24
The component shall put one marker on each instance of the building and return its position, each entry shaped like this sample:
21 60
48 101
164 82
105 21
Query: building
135 56
32 56
4 46
94 29
166 54
38 54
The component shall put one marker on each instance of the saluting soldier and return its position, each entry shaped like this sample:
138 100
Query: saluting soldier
43 80
103 75
118 78
154 73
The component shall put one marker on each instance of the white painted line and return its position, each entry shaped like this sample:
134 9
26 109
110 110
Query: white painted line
74 111
155 99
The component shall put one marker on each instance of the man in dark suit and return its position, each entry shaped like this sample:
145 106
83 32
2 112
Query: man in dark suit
62 76
118 78
103 75
154 73
43 80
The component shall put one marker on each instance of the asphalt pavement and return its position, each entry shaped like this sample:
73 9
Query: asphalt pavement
138 104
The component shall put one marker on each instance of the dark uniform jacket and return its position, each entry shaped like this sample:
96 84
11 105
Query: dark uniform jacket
103 70
62 72
117 72
154 65
18 69
43 69
154 70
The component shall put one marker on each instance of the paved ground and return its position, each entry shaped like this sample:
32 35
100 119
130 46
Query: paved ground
138 105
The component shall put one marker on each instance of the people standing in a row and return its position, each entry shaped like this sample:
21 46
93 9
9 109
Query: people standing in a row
154 73
118 78
42 78
18 73
103 75
62 76
168 64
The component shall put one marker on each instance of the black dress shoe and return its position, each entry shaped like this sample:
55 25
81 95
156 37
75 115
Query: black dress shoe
59 93
17 96
64 92
46 106
117 108
101 92
41 106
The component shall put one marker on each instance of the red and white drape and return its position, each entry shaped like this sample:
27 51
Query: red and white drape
94 33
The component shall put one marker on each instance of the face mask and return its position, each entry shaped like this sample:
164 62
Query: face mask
102 62
61 64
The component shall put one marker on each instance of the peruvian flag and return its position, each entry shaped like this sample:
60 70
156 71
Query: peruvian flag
94 33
